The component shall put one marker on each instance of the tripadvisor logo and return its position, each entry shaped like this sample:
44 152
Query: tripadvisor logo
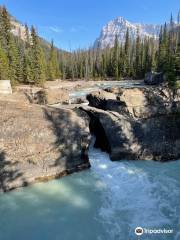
139 231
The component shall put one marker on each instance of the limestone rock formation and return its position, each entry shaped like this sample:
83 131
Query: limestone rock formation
40 143
142 124
142 102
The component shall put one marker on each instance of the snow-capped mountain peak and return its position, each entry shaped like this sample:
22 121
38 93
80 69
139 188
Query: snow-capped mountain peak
118 27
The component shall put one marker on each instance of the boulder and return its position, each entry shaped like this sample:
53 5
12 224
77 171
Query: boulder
154 78
40 143
104 100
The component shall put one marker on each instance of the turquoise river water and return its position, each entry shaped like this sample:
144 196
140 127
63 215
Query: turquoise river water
106 202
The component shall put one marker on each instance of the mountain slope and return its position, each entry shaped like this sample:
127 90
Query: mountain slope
119 27
19 30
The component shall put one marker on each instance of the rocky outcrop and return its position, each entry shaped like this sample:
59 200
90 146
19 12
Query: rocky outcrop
138 125
139 102
40 143
153 78
102 99
128 139
47 96
118 28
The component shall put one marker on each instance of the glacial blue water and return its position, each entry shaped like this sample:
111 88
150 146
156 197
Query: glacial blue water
106 202
104 85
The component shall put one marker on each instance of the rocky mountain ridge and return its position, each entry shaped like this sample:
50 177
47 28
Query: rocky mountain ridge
118 27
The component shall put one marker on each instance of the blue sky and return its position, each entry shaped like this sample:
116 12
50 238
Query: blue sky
74 24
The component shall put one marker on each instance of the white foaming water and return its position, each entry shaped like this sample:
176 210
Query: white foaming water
138 193
106 202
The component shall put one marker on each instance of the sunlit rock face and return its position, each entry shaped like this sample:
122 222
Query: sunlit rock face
40 143
139 103
140 123
118 27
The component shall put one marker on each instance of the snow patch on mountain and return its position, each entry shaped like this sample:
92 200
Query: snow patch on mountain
118 27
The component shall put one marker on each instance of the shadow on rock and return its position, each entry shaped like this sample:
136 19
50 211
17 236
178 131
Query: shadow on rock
8 173
72 138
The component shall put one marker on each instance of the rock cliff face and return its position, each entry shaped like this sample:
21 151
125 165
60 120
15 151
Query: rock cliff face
137 102
118 27
40 143
140 124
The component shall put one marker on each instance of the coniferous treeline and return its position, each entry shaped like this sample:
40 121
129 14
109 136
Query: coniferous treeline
133 59
129 60
31 61
28 61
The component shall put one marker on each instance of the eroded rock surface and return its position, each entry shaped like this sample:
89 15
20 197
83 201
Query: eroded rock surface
138 102
47 96
40 143
142 123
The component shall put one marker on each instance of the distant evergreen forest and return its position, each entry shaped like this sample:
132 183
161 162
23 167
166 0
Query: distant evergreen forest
33 62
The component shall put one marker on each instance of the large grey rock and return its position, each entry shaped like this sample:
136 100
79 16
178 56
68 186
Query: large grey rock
138 102
126 138
40 143
142 123
154 78
99 98
105 100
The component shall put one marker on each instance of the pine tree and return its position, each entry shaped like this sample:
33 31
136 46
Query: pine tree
27 37
163 49
146 58
115 59
38 60
4 66
171 22
177 63
13 61
171 72
53 70
126 54
19 66
27 69
5 28
138 56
